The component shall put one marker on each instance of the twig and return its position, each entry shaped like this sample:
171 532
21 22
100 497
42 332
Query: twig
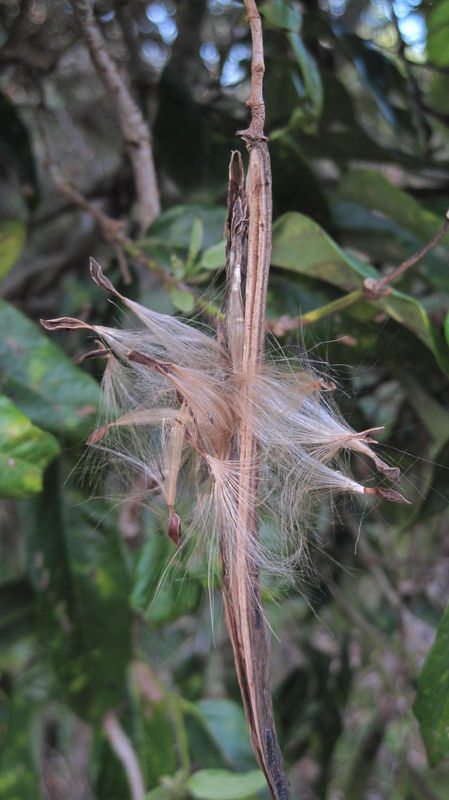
373 289
112 229
132 124
124 751
240 580
409 262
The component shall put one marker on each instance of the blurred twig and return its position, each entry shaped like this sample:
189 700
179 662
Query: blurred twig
133 127
123 749
111 228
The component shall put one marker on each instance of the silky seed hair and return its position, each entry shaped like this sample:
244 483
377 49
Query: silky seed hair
171 409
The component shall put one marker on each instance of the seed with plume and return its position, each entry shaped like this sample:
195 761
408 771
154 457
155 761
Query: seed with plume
171 397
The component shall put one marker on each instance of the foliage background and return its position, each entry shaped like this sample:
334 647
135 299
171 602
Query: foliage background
96 619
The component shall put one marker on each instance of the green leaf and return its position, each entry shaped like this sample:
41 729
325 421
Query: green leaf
382 78
438 92
77 567
18 774
174 227
372 190
214 257
310 88
159 793
431 706
175 231
196 239
183 300
282 14
226 723
434 416
12 239
385 241
446 328
41 380
219 784
300 245
25 451
162 590
153 722
295 185
437 34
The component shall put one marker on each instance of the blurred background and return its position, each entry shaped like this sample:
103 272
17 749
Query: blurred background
106 641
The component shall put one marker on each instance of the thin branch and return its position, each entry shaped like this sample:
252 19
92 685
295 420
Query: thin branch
113 229
410 262
373 289
123 749
133 127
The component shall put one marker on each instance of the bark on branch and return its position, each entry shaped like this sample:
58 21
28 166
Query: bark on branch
133 127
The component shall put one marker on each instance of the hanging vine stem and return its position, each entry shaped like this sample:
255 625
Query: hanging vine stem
248 263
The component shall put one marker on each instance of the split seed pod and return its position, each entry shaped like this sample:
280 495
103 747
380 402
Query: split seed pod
172 401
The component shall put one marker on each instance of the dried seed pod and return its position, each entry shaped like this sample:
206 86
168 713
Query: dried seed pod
173 406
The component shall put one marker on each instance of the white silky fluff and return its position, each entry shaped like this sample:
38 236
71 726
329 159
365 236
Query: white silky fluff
172 411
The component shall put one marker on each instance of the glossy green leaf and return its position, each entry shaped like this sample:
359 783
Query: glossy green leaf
41 380
300 245
372 190
25 451
383 240
12 239
431 706
219 784
226 723
77 567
